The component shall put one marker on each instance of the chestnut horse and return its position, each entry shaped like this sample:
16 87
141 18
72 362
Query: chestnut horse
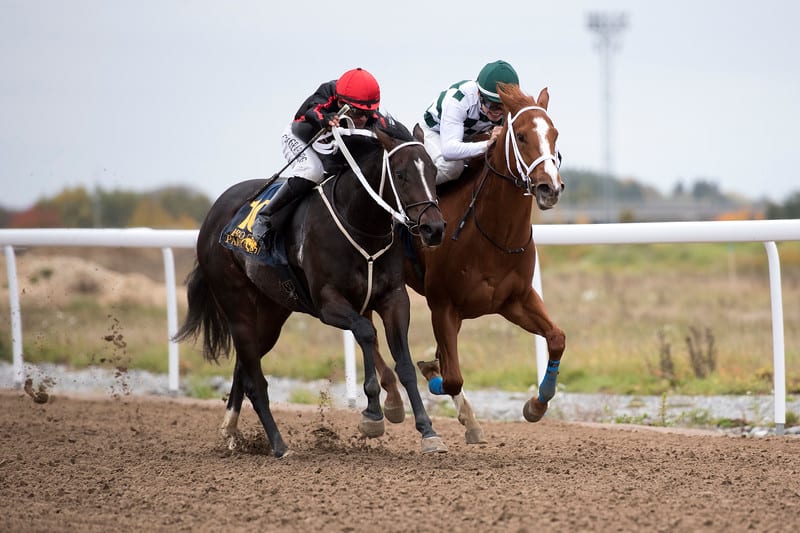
344 261
486 262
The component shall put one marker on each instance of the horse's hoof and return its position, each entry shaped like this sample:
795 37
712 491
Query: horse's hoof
428 369
234 439
280 454
433 445
534 410
474 436
371 428
394 413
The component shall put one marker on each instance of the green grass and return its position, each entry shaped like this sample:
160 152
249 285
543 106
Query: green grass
715 258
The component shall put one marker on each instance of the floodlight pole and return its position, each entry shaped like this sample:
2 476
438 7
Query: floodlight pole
607 27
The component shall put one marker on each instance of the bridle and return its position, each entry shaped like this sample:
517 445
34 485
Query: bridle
522 178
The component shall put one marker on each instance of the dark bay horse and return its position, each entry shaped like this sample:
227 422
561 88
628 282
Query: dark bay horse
345 261
486 262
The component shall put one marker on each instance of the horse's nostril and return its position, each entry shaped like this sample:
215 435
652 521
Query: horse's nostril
432 236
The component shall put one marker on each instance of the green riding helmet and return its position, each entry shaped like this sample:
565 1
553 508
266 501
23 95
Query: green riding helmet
497 71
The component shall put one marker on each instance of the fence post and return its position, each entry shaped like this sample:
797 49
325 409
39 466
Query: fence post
778 355
172 318
16 316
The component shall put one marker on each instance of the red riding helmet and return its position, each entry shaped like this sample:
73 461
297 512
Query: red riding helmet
359 88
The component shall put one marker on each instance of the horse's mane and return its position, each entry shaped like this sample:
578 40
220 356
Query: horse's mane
394 128
513 97
361 145
366 146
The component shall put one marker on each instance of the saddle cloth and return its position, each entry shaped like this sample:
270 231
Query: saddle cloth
238 236
238 233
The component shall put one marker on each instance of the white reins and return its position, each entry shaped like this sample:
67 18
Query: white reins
398 214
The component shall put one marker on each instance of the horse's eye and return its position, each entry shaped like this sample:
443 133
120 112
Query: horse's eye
521 137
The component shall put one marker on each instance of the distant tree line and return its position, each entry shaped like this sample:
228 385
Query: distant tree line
585 187
790 208
168 207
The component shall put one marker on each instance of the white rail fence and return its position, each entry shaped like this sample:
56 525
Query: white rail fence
766 231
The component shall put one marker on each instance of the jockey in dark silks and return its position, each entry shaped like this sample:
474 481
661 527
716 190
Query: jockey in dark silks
358 89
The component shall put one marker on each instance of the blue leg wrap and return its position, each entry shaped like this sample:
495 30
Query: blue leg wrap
548 387
435 385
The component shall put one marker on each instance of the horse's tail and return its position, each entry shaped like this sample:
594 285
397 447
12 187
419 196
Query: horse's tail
204 314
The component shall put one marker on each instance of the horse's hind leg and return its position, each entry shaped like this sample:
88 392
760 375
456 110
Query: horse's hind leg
251 341
229 428
473 433
255 386
530 314
393 408
446 325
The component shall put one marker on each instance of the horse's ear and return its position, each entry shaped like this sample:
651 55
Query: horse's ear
544 98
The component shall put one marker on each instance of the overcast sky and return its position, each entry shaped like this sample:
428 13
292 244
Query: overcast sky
142 94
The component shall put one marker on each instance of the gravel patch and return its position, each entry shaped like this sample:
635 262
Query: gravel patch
752 415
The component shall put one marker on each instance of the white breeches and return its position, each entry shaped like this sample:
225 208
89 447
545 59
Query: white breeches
308 165
447 170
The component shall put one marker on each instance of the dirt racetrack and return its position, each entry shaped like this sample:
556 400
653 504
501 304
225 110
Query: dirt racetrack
158 464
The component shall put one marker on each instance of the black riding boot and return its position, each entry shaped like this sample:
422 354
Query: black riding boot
266 223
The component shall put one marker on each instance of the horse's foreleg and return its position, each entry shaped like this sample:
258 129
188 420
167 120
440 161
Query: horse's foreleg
531 315
337 312
393 408
396 318
371 424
